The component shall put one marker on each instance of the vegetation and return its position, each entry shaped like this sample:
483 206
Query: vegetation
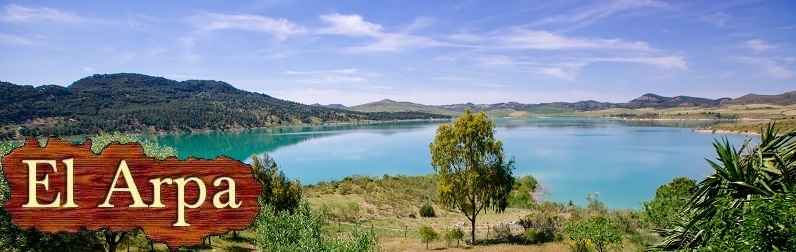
747 202
140 103
427 211
454 234
428 234
597 231
278 192
472 171
301 231
522 192
750 127
666 209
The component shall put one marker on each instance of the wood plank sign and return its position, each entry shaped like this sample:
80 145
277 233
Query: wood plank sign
64 187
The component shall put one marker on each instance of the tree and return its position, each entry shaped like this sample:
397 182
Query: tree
473 175
428 234
278 191
455 234
667 206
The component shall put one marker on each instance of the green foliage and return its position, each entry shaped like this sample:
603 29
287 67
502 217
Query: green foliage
597 231
151 149
473 174
745 185
278 191
301 231
401 192
428 234
666 208
427 211
454 234
522 192
764 224
139 103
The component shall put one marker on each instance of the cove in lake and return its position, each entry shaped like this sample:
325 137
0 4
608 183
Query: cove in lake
625 161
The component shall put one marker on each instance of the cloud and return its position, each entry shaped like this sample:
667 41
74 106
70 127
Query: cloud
676 62
757 45
591 14
351 25
769 65
14 40
568 69
356 26
544 40
718 19
335 71
329 76
21 14
279 27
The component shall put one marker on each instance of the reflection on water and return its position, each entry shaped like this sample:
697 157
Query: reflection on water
623 160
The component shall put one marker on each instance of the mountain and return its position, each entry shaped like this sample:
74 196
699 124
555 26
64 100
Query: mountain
136 102
785 99
387 105
657 101
334 106
648 100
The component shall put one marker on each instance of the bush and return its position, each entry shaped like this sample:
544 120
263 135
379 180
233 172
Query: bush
427 211
502 231
670 200
600 232
454 234
428 234
531 236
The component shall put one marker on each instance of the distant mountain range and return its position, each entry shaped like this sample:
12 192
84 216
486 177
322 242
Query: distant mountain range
645 101
140 103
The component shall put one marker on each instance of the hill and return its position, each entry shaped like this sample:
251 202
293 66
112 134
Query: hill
138 103
387 105
785 99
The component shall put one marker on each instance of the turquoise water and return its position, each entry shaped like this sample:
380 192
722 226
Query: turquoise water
625 161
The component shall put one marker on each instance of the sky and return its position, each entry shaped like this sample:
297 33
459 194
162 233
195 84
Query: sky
430 52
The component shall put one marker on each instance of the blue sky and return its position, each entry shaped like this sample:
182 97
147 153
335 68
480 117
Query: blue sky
431 52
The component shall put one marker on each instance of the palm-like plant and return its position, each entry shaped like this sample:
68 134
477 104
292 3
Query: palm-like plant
765 170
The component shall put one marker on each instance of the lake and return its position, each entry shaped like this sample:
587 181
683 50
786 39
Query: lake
625 161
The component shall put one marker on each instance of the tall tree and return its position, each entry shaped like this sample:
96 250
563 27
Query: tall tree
473 175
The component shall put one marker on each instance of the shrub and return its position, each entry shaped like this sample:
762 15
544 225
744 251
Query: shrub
670 200
599 231
531 236
428 234
454 234
427 211
502 231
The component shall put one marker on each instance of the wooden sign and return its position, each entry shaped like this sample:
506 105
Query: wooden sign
64 187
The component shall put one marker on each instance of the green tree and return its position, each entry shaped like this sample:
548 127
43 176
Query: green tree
455 234
663 211
278 191
522 192
598 231
428 234
473 174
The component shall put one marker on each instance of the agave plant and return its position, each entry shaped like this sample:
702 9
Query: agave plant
766 170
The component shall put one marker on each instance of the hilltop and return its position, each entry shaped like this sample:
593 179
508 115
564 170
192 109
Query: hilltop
388 105
785 99
129 102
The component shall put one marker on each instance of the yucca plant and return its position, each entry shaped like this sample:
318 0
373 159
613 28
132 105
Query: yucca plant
764 171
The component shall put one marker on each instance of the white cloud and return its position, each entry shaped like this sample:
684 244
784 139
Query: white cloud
719 18
769 65
544 40
588 15
21 14
14 40
676 62
352 25
356 26
757 45
279 27
335 71
351 75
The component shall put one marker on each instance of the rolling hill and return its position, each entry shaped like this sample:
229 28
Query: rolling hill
387 105
785 99
140 103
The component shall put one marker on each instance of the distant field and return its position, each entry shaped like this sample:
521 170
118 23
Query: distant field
751 127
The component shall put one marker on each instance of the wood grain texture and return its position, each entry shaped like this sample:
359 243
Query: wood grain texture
93 176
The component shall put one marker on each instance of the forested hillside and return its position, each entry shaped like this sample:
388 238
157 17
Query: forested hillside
138 103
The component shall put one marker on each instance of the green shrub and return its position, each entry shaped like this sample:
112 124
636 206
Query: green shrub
599 231
428 234
454 234
522 192
670 200
427 211
531 236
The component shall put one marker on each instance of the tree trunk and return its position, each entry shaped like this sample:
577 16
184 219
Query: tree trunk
426 245
472 231
110 239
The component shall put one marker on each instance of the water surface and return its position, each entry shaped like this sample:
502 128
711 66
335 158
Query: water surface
625 161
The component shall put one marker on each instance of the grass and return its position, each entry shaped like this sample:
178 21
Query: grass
750 127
